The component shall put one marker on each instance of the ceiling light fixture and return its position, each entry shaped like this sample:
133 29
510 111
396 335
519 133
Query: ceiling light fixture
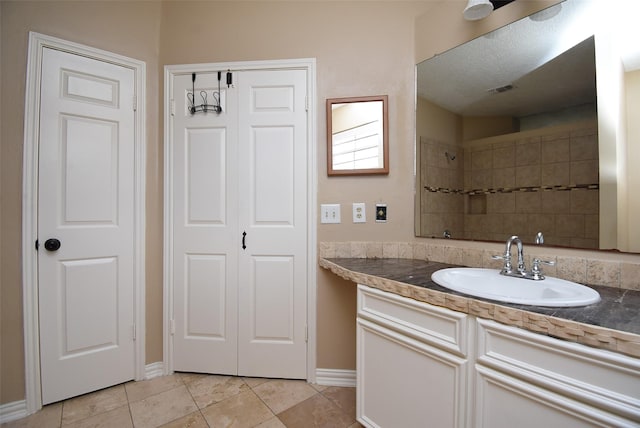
546 14
477 9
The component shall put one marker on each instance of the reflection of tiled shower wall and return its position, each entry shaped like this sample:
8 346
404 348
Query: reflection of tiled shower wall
441 210
546 183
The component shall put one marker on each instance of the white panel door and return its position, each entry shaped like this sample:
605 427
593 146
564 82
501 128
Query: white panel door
239 226
273 214
86 188
205 230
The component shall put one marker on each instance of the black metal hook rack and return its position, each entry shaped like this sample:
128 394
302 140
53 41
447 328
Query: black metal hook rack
204 106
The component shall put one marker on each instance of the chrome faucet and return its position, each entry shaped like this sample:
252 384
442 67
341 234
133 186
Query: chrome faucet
507 268
520 271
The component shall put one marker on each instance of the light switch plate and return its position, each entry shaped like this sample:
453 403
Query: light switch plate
359 213
330 213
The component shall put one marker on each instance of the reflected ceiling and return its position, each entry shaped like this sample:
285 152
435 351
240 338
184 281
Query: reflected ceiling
478 72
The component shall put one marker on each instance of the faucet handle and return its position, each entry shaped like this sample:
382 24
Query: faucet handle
506 267
506 257
535 269
537 262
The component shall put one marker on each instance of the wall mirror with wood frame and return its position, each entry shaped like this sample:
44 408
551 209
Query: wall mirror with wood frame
357 136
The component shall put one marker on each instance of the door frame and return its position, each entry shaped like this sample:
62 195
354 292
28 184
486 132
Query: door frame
171 71
37 43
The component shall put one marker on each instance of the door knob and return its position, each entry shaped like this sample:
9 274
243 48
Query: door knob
51 244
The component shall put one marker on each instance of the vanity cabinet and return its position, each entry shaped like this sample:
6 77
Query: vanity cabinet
526 379
412 363
420 365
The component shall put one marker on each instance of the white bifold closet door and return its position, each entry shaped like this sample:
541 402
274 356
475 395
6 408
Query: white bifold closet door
240 226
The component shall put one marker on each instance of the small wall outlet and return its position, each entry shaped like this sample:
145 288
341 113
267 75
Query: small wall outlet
330 213
381 213
359 214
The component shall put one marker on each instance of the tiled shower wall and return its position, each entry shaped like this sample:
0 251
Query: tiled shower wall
516 185
442 205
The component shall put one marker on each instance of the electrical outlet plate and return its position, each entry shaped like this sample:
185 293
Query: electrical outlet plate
359 213
330 213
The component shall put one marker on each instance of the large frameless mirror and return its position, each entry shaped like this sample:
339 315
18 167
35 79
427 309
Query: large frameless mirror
357 136
507 134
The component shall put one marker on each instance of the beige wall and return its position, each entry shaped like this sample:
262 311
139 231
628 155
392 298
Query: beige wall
475 127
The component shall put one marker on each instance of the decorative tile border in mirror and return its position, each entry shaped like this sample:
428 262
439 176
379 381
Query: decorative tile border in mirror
512 189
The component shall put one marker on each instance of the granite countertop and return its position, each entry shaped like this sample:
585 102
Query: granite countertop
613 323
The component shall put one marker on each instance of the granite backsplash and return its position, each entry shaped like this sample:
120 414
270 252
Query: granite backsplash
609 269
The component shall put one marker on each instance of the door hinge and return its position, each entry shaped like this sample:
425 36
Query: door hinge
135 103
172 107
306 333
37 245
172 327
133 331
306 103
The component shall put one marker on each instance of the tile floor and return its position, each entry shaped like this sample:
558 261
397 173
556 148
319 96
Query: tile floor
202 401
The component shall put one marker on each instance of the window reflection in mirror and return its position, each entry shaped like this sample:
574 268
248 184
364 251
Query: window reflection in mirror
357 135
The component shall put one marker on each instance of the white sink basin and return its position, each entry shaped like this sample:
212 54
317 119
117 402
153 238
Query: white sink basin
488 283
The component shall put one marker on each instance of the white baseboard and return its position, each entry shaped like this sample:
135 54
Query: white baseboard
331 377
154 370
12 411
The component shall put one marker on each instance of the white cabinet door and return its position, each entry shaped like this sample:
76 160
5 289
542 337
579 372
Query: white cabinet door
412 368
86 188
239 253
554 382
504 402
405 383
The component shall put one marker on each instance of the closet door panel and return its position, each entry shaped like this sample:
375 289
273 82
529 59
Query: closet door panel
272 299
273 161
206 173
205 232
273 213
204 290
